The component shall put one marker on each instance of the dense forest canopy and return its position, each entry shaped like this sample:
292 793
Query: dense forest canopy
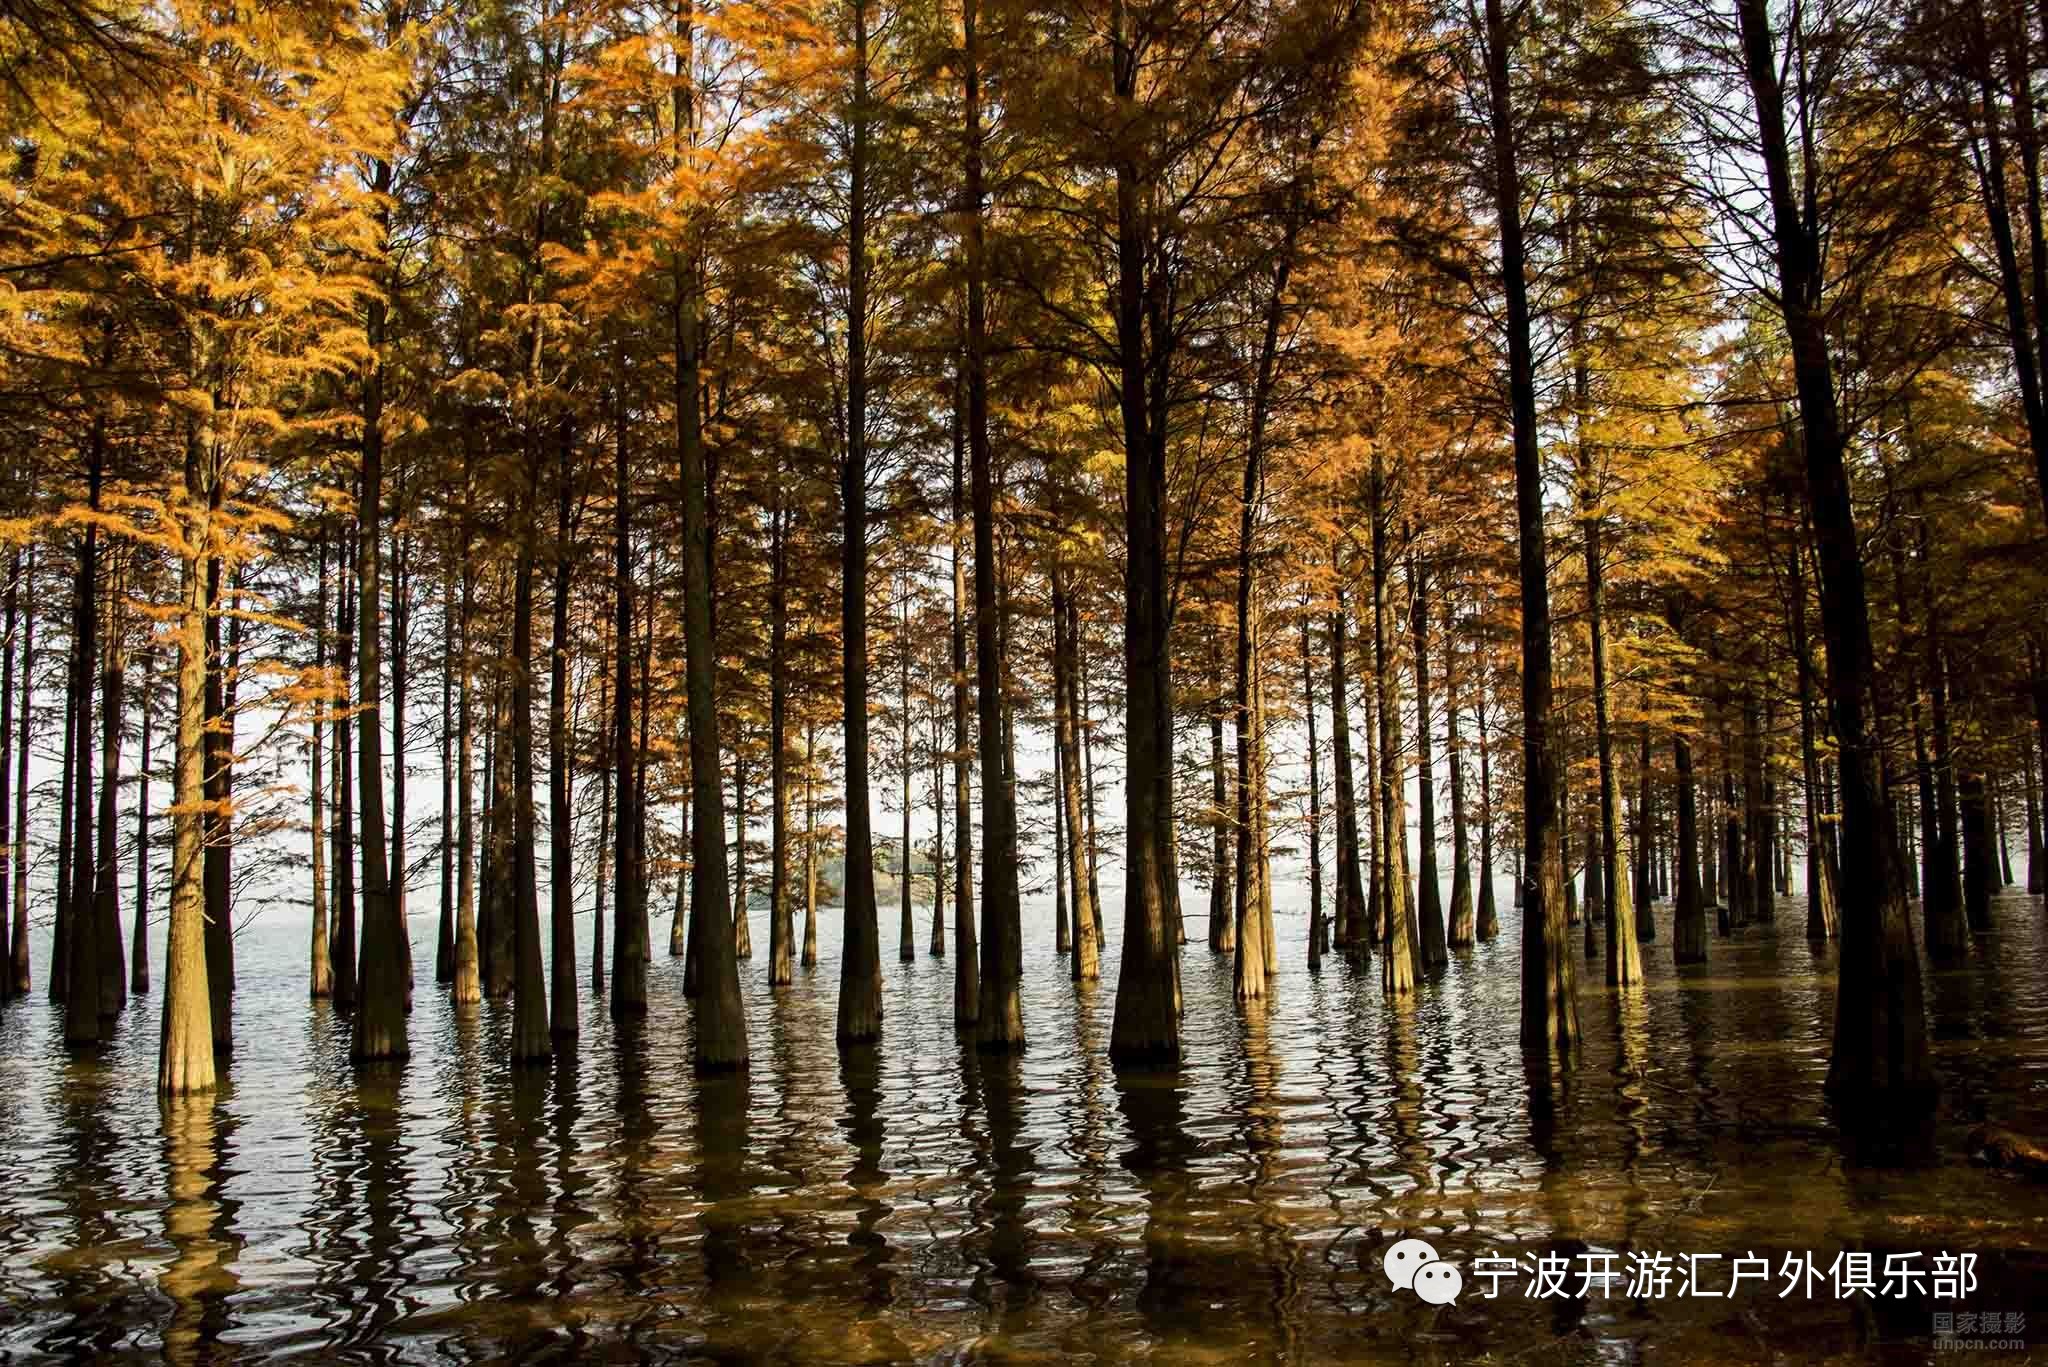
477 463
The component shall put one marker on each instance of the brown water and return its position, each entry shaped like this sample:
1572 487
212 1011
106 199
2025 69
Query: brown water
917 1203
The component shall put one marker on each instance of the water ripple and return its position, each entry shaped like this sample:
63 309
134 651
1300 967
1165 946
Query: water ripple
918 1201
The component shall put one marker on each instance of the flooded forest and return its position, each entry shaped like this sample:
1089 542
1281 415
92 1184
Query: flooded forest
1023 680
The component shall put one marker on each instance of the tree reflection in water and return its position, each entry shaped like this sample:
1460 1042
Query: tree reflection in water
920 1201
199 1226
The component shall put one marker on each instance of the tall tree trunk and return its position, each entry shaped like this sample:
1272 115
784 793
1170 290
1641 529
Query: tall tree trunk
16 967
966 956
1316 929
860 966
1262 836
906 936
139 979
1642 890
322 963
1821 913
1255 951
1980 875
721 1037
1759 823
679 922
1624 955
467 988
500 933
1062 937
1689 912
1403 963
1147 1026
60 930
604 836
1249 965
230 672
1373 918
999 1017
629 873
1350 889
938 948
113 953
1087 726
401 633
2000 785
342 949
2037 876
563 1009
1880 1066
781 928
1710 834
742 933
1941 906
185 1062
1550 1006
1735 909
83 919
686 931
14 621
810 950
1087 963
380 1031
444 925
1565 870
1430 908
1928 812
1222 923
643 936
1645 888
1460 928
1596 888
531 1039
1781 843
1489 913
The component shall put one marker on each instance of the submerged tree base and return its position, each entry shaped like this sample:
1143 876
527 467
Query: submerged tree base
1892 1126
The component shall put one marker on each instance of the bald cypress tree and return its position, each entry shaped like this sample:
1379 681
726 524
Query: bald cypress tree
1430 906
16 966
16 636
860 965
82 922
1459 932
1349 911
999 1016
966 954
1550 1008
113 955
1880 1064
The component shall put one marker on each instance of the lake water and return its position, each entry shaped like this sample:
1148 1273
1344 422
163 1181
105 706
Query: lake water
917 1203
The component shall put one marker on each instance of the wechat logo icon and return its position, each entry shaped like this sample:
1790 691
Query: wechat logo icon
1412 1265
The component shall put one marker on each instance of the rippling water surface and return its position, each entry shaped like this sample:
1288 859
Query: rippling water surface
917 1203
